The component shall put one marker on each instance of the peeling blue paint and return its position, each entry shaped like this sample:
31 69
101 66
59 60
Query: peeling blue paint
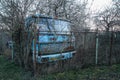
55 40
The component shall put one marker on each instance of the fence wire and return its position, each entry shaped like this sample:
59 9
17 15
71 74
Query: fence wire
103 47
92 48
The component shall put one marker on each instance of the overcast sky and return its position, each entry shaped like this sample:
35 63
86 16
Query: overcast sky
97 5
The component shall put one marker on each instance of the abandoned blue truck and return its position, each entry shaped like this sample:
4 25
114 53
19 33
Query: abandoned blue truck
55 40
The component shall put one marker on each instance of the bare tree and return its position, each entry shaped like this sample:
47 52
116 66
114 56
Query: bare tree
65 9
13 13
109 17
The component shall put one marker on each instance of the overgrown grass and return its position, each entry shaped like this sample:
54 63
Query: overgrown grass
92 73
10 71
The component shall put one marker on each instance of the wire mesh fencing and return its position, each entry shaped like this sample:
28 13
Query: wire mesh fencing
97 48
92 48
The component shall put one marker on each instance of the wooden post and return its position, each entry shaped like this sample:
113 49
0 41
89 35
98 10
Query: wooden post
34 52
38 41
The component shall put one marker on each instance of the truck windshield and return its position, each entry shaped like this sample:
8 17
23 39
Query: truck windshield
53 25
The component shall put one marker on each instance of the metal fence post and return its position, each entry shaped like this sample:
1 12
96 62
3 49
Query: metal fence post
96 53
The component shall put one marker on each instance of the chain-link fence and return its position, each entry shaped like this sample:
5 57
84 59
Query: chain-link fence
109 45
97 48
92 48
